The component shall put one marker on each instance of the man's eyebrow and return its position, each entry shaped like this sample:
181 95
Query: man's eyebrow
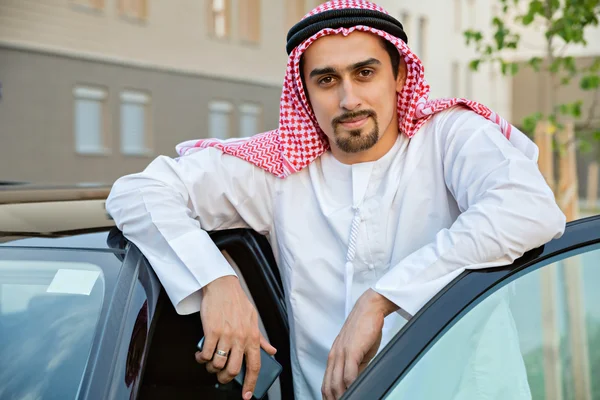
366 63
331 70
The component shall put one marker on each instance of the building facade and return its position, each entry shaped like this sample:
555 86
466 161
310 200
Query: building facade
94 89
535 92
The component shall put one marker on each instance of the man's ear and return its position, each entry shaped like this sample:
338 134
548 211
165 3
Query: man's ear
402 73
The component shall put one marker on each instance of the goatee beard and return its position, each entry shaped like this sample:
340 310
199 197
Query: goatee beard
356 141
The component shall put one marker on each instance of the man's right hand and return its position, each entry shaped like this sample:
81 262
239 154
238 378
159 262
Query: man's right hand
230 324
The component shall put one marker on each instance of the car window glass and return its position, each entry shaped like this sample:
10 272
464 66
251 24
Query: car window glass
49 311
537 337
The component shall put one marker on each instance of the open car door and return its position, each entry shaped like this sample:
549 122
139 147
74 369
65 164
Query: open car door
530 330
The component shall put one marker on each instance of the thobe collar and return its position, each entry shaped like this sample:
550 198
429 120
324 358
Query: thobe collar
336 170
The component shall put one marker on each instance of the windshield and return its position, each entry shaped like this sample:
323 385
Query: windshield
50 306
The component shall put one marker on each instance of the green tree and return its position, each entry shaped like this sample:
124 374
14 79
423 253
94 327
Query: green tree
564 24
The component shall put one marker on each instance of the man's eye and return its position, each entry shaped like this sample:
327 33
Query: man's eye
326 80
365 73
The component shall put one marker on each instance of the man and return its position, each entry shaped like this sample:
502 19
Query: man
373 197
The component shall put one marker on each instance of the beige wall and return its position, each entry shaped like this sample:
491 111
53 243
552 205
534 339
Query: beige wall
37 112
530 93
445 54
175 36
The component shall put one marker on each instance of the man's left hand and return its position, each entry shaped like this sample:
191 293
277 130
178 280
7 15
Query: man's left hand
356 344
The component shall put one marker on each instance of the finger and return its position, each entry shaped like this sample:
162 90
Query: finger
351 369
337 377
326 387
252 370
211 369
233 367
208 348
219 360
362 366
264 343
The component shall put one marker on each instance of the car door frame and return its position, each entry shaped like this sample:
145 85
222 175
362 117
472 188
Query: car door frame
253 256
443 310
261 275
104 374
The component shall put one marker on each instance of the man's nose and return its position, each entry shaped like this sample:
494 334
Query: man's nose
349 98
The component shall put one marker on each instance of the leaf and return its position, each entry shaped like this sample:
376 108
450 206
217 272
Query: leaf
527 19
564 109
514 68
572 109
555 66
531 121
590 82
596 135
569 63
585 146
474 64
535 63
472 36
576 108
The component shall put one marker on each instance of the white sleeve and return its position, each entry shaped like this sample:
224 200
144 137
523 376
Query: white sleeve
167 209
506 209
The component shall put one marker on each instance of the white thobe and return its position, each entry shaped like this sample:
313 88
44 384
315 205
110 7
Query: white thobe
457 195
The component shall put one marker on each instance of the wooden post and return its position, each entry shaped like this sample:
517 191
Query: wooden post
543 139
592 186
567 194
568 200
577 328
553 381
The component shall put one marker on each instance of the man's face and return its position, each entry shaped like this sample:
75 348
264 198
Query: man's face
352 89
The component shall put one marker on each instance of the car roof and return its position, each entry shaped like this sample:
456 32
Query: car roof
69 216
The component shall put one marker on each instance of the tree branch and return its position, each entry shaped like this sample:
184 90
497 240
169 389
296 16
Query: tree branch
561 52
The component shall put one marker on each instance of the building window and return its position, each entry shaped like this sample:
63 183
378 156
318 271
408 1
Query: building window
294 11
455 84
89 121
406 23
472 14
96 5
468 82
219 121
250 119
249 18
458 15
422 38
135 123
493 86
219 21
133 9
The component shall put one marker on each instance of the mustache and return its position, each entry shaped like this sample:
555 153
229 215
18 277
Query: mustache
351 115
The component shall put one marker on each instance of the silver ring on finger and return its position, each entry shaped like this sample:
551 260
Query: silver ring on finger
221 353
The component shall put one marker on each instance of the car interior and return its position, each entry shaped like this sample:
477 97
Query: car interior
171 370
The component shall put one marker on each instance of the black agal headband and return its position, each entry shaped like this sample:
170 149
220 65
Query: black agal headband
345 18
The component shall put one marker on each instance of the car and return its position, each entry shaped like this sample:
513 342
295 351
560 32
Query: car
83 316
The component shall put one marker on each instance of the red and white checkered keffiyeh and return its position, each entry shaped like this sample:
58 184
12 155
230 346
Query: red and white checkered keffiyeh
299 140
